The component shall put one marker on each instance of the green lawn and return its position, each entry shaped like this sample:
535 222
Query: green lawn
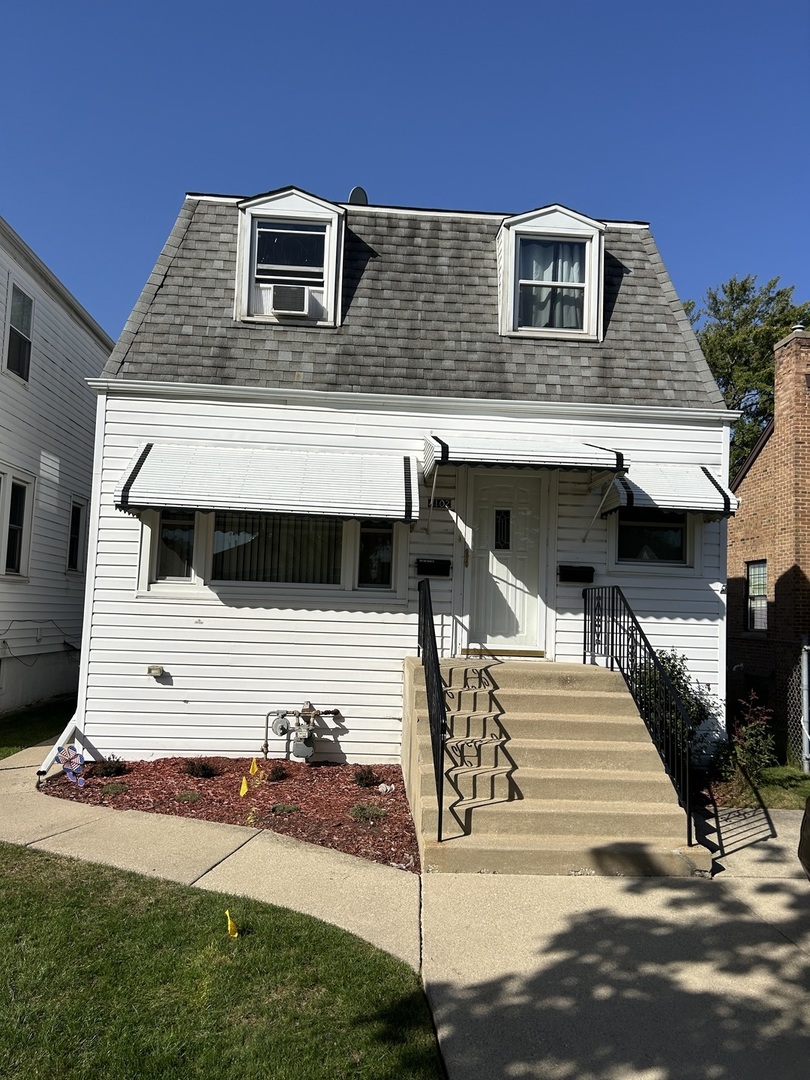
782 787
109 974
27 727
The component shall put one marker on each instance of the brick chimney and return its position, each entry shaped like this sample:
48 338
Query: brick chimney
792 438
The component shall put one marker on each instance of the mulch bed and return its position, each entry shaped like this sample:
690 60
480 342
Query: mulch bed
321 804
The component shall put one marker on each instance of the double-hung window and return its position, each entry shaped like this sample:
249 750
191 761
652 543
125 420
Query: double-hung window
77 529
756 582
551 284
20 329
16 508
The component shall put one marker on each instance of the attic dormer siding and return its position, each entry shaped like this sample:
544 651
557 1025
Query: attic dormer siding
419 316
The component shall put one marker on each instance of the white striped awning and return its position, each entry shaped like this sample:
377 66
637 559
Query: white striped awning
690 488
267 480
539 452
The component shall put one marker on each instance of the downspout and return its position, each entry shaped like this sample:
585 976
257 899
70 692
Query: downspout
806 708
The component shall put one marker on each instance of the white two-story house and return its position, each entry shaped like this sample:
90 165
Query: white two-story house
50 347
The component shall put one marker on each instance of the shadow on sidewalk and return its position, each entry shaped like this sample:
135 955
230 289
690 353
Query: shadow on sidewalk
676 980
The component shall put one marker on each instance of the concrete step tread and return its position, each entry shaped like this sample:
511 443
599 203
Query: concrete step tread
535 806
534 715
509 842
622 776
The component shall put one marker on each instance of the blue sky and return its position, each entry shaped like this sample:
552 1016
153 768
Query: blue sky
692 116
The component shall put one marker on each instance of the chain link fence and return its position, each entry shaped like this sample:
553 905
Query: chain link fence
793 711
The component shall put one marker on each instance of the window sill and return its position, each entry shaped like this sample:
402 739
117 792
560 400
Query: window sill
660 569
14 579
292 321
16 378
560 335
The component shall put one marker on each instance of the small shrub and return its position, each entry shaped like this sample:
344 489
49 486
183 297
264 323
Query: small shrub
203 770
188 796
277 772
751 747
368 813
111 766
364 776
284 808
114 789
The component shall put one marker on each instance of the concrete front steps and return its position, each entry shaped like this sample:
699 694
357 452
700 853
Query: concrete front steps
549 770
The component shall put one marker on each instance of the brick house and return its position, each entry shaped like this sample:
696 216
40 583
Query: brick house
769 552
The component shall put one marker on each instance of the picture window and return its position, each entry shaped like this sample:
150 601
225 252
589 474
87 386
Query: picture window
649 535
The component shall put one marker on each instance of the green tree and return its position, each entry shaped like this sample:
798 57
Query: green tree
738 325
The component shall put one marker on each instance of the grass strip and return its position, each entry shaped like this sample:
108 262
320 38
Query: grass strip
27 727
107 973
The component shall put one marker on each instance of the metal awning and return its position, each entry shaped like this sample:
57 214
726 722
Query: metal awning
690 488
539 452
268 480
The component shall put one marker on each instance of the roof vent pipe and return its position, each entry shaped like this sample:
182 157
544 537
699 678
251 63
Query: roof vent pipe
799 326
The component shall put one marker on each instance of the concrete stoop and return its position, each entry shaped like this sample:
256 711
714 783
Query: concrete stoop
549 770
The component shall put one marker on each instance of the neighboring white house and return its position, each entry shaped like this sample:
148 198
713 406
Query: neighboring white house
313 405
50 347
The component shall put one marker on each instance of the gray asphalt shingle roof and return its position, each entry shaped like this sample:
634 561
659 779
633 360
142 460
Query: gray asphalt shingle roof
420 316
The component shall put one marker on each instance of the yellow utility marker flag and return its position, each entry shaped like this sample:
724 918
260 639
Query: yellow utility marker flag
254 768
243 790
233 929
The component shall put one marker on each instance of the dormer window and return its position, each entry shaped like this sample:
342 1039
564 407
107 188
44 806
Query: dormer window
290 256
552 283
550 273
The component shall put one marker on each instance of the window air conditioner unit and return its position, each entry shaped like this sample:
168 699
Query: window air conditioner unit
290 300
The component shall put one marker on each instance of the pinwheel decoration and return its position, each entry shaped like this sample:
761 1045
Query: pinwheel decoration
73 763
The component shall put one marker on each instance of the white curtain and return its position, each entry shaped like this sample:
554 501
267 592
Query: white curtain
553 305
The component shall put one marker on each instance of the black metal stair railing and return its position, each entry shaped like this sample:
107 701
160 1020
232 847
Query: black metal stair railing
612 631
437 710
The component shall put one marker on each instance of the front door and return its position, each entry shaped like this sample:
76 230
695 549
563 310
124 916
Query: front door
506 608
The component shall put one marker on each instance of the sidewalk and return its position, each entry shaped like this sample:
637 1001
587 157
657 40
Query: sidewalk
578 978
378 903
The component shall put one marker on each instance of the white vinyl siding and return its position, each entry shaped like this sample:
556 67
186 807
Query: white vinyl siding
46 438
236 650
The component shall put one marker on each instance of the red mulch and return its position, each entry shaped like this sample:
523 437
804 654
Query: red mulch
324 795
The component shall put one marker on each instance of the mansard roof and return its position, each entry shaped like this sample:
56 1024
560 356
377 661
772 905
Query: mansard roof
419 316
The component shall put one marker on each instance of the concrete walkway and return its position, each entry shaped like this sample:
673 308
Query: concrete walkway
577 978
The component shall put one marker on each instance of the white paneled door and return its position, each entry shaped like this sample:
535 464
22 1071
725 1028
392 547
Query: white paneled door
506 607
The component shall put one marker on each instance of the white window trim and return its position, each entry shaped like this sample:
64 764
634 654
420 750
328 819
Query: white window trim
77 500
693 567
8 476
319 213
12 281
201 585
536 226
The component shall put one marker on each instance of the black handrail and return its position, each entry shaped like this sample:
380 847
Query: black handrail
437 711
612 631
